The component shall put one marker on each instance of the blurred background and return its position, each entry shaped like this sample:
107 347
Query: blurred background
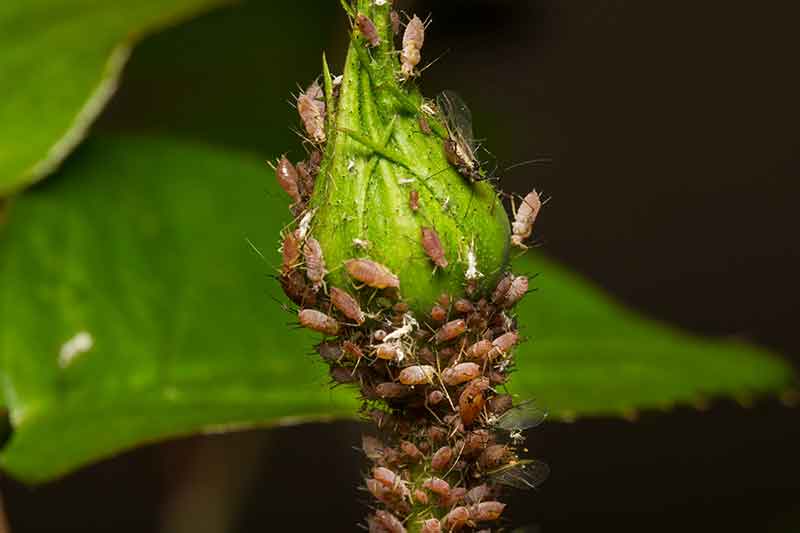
673 134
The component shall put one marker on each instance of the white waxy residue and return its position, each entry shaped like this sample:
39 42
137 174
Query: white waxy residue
81 343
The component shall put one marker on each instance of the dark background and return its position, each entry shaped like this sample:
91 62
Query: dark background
673 129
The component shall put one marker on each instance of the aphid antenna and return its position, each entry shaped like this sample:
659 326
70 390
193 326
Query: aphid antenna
535 161
429 65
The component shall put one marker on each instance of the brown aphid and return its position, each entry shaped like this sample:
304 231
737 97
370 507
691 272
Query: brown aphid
463 306
378 491
453 498
368 30
295 287
477 494
347 305
372 447
502 288
420 496
456 518
433 247
425 126
497 378
413 200
493 456
486 511
342 375
315 262
526 214
444 299
413 39
311 108
438 486
329 351
518 289
411 451
386 351
471 400
451 330
394 18
318 321
431 525
475 442
287 178
290 250
417 375
400 308
306 179
352 349
314 162
437 434
435 397
387 477
500 404
438 313
392 391
461 373
372 274
504 343
441 459
390 522
479 350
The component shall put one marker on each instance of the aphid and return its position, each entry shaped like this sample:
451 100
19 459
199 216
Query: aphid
502 288
425 126
342 375
373 447
318 321
444 300
438 313
524 416
417 375
413 39
494 456
421 496
456 518
500 404
524 218
461 373
459 148
387 478
368 30
518 289
486 511
387 351
433 247
437 486
287 178
441 459
410 450
463 306
372 274
437 433
392 391
524 474
471 400
479 349
353 350
305 183
504 343
311 108
290 249
379 335
329 351
315 262
435 397
295 287
477 494
451 499
431 525
400 307
475 442
451 330
390 523
378 491
395 20
413 200
347 305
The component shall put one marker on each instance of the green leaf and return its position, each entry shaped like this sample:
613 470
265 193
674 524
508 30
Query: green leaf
588 355
59 64
143 245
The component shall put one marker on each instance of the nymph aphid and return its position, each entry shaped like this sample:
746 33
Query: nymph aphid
311 107
524 219
413 39
367 29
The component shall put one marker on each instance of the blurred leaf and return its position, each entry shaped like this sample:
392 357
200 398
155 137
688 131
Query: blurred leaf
142 244
588 355
59 64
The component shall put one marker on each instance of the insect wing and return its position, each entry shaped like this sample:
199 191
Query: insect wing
525 474
524 416
458 118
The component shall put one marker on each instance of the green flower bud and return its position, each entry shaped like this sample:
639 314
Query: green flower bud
385 145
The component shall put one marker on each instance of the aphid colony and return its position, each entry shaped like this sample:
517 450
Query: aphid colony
448 435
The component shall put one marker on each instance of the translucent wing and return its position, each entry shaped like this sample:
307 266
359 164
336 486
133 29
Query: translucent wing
525 474
458 118
526 415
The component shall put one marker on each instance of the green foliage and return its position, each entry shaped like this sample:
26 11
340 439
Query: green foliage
143 244
59 63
